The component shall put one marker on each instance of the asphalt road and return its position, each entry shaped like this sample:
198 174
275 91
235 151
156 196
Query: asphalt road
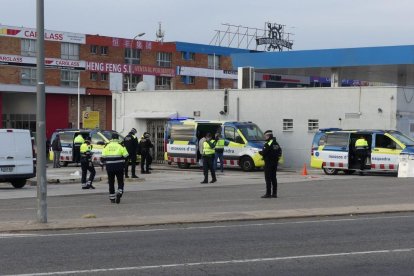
352 245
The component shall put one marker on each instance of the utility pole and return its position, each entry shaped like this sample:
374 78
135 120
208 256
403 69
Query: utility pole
40 116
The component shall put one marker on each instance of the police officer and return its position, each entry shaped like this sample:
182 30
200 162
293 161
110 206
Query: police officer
145 145
113 155
271 153
219 151
86 164
77 142
361 148
131 144
208 156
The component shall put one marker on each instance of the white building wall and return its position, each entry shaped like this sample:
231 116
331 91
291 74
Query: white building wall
352 107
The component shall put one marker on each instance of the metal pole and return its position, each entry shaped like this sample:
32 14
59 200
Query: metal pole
79 101
214 72
40 117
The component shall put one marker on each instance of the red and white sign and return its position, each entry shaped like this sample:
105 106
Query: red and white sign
49 62
49 35
125 69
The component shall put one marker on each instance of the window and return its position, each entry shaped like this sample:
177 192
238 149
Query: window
187 55
337 139
191 80
93 76
132 80
28 76
104 76
313 125
28 47
184 79
94 49
24 121
132 56
69 78
251 132
213 83
182 132
382 141
232 135
213 62
162 83
69 51
164 59
104 50
287 124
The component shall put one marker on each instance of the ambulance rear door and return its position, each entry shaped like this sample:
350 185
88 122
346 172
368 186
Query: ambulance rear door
335 152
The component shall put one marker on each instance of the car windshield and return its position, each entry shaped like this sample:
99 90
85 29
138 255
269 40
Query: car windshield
403 139
251 132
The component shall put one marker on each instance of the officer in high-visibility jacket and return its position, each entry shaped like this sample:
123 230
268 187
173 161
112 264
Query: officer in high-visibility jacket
77 143
219 151
271 153
208 156
113 156
361 150
86 164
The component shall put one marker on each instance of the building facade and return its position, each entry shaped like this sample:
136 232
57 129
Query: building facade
85 70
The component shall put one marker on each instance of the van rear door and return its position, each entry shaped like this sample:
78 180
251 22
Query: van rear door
16 154
335 151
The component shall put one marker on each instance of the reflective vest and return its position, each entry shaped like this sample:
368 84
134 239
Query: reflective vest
207 150
79 139
114 153
361 142
220 144
86 150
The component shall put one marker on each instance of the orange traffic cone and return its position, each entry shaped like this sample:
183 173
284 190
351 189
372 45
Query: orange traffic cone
304 170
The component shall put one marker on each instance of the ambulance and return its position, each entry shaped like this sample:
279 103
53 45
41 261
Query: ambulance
243 141
333 150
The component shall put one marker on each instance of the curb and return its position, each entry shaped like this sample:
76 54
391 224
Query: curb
137 221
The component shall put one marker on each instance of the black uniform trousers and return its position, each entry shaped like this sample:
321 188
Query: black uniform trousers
132 158
115 170
361 154
270 178
208 165
76 153
145 161
86 166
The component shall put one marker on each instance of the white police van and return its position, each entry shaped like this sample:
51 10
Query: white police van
16 156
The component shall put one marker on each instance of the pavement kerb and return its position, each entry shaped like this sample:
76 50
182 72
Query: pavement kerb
129 221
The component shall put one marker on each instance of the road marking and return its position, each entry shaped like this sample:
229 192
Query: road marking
30 235
258 260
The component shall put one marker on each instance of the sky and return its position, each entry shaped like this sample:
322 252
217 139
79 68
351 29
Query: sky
315 24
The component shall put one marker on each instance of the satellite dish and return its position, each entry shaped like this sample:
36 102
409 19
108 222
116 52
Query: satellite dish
142 86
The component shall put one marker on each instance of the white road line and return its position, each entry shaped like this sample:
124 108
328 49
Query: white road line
258 260
31 235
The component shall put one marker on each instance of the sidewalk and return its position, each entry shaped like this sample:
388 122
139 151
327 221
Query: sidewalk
175 196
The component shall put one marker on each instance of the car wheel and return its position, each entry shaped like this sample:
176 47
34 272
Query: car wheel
247 164
330 171
18 183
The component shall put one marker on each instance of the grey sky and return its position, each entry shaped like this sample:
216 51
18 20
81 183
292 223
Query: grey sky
317 24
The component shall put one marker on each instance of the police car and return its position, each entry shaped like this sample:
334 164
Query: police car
99 138
333 150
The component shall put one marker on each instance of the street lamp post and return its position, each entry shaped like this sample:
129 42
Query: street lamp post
130 59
